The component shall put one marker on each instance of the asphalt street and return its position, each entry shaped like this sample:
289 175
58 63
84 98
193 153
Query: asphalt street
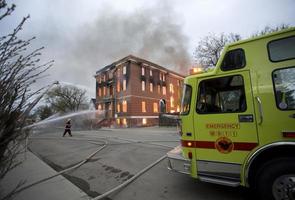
127 151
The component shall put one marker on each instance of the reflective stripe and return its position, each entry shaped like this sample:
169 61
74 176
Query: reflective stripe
289 134
241 146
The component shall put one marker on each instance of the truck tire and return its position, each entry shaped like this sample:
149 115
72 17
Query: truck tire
276 180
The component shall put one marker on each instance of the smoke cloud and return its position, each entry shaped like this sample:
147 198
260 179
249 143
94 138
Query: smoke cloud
153 33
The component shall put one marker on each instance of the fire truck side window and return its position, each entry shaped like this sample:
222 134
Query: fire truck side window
234 59
282 49
221 95
284 87
186 100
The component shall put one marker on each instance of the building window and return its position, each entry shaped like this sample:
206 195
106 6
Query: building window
171 88
118 121
151 87
124 106
143 85
118 86
178 108
118 108
118 72
124 121
164 90
164 78
104 91
142 71
155 107
171 102
124 70
99 92
104 78
111 90
159 89
151 72
143 106
160 76
99 79
110 74
124 85
99 107
144 121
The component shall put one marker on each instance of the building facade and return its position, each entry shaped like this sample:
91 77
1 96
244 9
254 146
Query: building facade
133 91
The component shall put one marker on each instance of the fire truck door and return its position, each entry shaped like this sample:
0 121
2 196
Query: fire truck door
224 121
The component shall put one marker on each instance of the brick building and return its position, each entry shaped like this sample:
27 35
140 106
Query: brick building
133 92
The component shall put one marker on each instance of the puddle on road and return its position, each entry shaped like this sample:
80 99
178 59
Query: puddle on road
80 183
83 185
121 177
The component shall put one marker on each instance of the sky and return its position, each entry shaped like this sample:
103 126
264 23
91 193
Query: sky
84 36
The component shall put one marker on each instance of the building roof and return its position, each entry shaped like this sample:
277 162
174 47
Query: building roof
139 61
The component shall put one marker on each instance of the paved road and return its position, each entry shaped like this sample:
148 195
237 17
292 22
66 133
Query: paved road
120 160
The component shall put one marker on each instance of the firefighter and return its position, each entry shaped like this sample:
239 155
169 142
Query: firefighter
68 128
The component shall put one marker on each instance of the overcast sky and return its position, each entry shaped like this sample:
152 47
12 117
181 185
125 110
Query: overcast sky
84 36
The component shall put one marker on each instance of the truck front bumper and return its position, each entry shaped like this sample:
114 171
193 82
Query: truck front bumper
177 163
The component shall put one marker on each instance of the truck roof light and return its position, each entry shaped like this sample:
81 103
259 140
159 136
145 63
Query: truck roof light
196 70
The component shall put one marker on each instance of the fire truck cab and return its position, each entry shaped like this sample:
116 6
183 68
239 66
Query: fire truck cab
238 119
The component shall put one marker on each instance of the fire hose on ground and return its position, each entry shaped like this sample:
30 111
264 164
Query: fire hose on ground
105 143
61 172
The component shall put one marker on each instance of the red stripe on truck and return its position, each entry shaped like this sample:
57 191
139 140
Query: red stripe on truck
240 146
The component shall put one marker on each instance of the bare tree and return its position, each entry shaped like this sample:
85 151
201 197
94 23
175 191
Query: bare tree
66 99
209 48
43 112
19 69
270 29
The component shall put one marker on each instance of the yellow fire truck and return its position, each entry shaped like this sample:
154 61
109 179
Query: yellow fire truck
238 119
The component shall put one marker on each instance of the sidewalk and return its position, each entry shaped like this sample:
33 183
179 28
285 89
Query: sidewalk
33 169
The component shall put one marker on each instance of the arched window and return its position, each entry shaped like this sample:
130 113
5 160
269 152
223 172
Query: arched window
162 106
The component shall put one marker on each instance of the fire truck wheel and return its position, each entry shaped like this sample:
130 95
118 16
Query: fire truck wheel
276 180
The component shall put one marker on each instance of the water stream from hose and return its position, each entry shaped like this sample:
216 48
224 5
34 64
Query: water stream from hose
81 115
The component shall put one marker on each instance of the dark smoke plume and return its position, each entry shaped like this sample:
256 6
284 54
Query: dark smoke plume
154 34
